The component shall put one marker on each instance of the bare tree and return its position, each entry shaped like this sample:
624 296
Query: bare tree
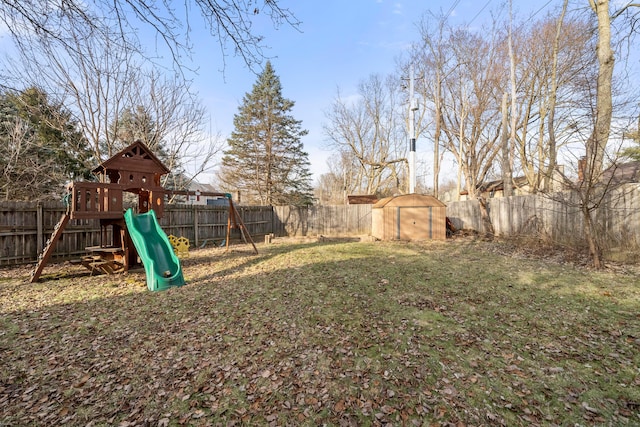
91 72
604 104
177 129
40 147
230 22
106 81
88 56
553 88
509 141
341 180
553 98
576 63
592 189
462 73
472 109
563 95
434 64
26 174
370 130
15 153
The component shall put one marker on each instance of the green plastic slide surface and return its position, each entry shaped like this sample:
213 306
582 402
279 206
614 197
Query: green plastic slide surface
161 264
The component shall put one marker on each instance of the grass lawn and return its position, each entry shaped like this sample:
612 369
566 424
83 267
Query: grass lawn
336 332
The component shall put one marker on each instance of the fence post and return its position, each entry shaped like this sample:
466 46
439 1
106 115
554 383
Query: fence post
195 226
39 228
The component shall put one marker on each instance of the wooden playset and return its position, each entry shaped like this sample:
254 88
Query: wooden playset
134 170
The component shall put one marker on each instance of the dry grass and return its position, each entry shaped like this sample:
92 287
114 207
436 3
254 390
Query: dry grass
335 332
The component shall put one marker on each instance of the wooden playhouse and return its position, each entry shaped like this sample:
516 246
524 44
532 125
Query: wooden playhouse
134 170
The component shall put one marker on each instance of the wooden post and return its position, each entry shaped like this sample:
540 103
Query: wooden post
229 226
39 228
195 226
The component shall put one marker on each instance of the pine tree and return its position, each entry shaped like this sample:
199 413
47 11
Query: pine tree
633 152
138 124
265 160
40 147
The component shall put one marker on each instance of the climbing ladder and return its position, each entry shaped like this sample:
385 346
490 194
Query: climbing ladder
49 247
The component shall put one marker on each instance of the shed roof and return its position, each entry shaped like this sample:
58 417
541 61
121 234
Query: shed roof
409 200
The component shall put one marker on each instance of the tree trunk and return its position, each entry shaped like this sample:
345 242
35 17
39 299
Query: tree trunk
506 162
487 225
436 136
591 235
507 173
549 179
597 142
604 110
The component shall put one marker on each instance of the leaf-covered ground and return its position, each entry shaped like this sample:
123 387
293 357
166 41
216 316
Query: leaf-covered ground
335 333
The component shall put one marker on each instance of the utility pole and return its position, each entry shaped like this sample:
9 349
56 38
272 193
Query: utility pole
413 107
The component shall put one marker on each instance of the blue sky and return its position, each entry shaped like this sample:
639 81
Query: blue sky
339 43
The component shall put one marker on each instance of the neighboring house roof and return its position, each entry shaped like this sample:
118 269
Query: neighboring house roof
497 185
622 173
196 186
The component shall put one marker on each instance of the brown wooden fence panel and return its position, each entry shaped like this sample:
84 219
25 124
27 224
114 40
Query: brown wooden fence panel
26 226
212 225
179 221
17 232
204 225
257 219
557 216
346 220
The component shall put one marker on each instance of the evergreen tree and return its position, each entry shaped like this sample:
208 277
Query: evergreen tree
40 147
633 152
138 124
135 124
265 160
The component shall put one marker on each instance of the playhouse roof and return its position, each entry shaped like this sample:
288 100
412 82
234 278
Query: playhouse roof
136 157
409 200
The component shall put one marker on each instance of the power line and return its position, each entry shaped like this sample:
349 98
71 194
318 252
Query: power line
489 2
478 14
539 10
453 6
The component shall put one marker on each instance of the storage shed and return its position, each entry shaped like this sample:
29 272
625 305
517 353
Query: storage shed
409 217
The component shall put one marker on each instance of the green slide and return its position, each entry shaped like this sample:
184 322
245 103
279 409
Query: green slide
161 264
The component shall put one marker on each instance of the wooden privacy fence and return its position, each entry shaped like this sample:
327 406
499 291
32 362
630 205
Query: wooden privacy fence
322 220
558 217
207 225
26 226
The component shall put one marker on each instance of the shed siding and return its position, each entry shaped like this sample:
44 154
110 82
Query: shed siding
409 217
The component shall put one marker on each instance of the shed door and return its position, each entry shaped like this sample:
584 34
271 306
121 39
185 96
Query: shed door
414 223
